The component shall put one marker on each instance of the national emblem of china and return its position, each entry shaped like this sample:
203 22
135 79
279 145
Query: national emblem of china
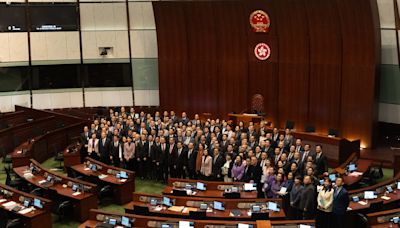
262 51
259 21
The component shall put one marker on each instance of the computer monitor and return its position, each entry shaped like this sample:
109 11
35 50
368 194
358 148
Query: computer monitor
186 224
26 203
188 187
389 189
153 202
203 206
200 186
305 226
272 206
370 195
218 206
112 221
75 187
255 208
242 225
166 226
93 167
352 167
332 177
395 220
398 185
37 203
49 178
355 198
250 186
118 175
125 221
235 189
167 202
123 175
321 182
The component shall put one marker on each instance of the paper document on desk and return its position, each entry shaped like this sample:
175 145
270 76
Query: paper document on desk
25 211
41 182
186 210
9 205
349 208
385 198
363 203
2 200
76 193
355 174
102 176
176 208
86 169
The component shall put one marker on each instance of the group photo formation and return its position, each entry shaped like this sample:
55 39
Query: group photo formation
200 114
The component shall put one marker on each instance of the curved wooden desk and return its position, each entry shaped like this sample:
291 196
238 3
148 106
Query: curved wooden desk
122 189
83 202
39 217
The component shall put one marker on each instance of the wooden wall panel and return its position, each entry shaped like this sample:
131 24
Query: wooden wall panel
293 80
172 55
359 69
325 64
232 56
263 75
322 69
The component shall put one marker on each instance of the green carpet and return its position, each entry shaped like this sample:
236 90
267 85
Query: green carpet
150 187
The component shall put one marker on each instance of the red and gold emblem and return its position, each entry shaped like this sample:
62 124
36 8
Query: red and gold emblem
259 21
262 51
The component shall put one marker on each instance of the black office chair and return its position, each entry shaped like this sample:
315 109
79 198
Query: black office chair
197 215
15 223
64 210
139 210
105 193
289 124
362 221
232 195
12 182
37 192
59 157
7 159
260 216
309 128
177 192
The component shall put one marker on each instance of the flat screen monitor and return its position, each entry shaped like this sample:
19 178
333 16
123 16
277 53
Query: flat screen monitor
49 178
123 175
203 206
305 226
93 167
200 186
125 221
250 186
218 206
389 189
167 202
370 195
26 203
166 226
186 224
321 182
242 225
12 18
112 221
395 220
352 167
53 17
273 206
235 189
75 187
153 202
332 177
355 198
255 209
37 203
398 185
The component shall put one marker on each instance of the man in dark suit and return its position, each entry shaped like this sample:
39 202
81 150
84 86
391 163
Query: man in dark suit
340 203
321 162
217 163
191 161
104 148
172 157
254 172
85 136
181 155
161 160
147 157
308 199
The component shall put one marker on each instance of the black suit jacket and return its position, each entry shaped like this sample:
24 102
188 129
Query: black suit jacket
340 202
172 157
104 149
216 167
253 173
181 158
191 161
321 164
308 199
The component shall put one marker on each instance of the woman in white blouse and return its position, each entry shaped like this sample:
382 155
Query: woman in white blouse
226 168
325 201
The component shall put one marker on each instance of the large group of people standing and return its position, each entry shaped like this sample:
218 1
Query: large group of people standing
162 145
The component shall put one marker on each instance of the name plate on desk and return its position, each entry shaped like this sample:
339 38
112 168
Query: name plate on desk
102 176
363 203
76 193
385 198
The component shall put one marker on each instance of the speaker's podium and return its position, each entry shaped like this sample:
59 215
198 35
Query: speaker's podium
245 117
